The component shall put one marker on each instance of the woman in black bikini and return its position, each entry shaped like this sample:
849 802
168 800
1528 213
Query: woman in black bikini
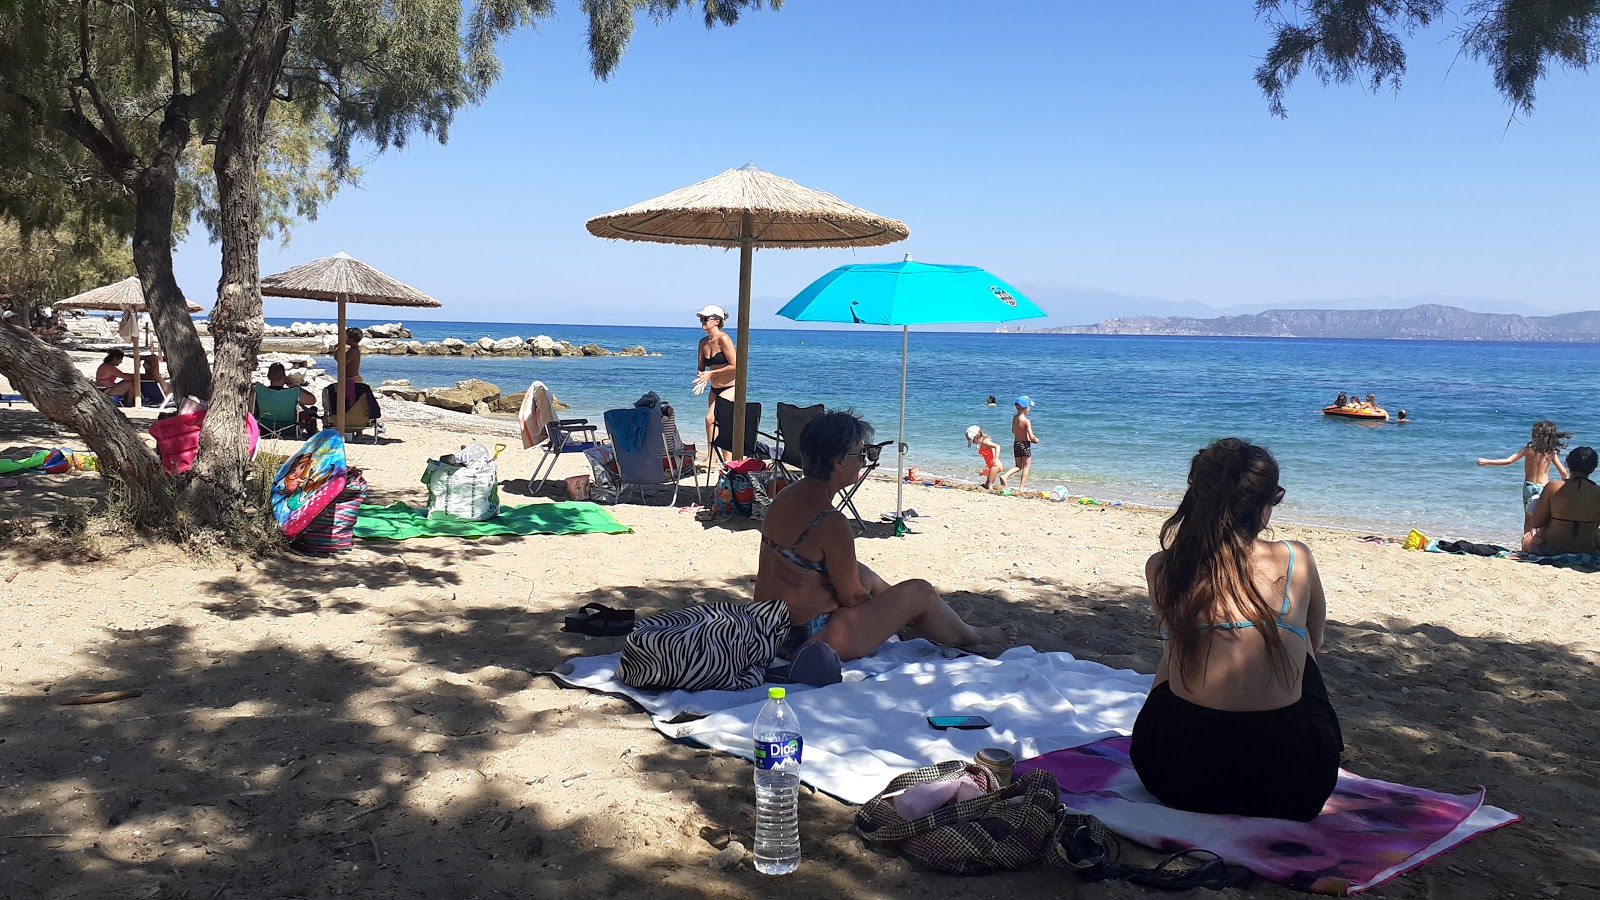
1238 720
808 559
1577 500
716 365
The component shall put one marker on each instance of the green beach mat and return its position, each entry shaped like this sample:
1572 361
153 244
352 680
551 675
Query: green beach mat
7 466
397 522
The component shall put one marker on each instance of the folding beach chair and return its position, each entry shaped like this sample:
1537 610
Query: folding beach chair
561 436
641 452
358 416
785 456
847 502
722 429
278 411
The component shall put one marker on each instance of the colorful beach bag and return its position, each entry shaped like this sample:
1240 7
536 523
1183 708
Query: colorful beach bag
740 492
333 530
308 481
710 647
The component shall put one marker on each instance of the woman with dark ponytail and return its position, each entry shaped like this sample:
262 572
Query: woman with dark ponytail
1238 720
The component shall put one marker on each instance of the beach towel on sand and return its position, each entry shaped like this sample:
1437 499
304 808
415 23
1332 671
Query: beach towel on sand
870 728
398 522
1369 832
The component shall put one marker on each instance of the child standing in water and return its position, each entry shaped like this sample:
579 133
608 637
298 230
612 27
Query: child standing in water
1543 451
1023 440
990 452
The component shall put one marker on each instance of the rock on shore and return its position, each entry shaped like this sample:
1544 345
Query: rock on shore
473 395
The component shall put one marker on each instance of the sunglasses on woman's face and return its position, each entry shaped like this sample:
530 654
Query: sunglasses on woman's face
705 319
1278 497
870 453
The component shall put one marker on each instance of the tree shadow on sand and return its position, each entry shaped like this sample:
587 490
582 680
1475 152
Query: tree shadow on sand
428 760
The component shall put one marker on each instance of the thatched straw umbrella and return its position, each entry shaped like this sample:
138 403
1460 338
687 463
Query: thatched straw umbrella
126 296
342 279
748 208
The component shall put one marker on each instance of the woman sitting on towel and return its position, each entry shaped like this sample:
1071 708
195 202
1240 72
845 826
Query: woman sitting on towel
1238 721
808 559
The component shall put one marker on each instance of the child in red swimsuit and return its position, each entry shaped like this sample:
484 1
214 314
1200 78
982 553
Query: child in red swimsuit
989 451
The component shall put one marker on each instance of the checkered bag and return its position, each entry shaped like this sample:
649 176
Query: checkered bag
1004 828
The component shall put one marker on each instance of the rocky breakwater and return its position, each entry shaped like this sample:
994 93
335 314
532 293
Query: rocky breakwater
473 395
540 345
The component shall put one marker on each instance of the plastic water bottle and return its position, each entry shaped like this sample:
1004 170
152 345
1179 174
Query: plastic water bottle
777 745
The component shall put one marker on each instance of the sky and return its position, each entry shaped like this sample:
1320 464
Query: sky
1107 159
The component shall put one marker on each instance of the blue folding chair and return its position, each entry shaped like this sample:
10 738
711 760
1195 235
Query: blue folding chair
561 436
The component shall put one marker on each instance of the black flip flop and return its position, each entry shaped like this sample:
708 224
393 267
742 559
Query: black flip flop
599 620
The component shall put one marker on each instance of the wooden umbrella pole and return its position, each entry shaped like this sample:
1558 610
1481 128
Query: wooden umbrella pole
138 392
741 368
339 363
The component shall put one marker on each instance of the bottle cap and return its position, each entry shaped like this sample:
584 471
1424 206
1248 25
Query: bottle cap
776 693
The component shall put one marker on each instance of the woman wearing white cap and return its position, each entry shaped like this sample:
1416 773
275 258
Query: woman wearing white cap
716 365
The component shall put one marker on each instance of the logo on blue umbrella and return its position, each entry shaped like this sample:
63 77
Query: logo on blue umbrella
1005 297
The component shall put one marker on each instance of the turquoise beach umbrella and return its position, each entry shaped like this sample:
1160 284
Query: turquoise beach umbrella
908 293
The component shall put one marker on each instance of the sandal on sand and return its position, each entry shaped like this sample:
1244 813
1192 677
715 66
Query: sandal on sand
599 620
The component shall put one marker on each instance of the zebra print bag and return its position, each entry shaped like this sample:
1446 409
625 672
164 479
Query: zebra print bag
710 647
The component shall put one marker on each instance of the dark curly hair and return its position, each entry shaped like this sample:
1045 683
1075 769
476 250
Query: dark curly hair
1546 439
829 438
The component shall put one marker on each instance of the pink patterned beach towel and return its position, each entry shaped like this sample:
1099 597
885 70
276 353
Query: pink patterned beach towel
1368 833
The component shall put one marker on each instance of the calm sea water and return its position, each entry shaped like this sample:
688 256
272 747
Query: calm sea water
1120 417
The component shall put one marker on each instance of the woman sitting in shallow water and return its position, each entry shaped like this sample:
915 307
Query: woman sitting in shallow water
1238 720
808 559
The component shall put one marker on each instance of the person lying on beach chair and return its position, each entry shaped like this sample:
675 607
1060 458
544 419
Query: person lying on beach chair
808 560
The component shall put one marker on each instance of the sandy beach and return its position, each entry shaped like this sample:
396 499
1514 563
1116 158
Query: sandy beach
374 724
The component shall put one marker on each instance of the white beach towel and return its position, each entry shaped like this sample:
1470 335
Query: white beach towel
537 411
863 732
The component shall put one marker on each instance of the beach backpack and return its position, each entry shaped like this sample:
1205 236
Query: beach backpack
710 647
465 483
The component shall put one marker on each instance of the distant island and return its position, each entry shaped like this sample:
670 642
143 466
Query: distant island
1428 322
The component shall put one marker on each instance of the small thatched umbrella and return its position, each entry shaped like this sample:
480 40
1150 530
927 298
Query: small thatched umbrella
126 296
343 279
748 208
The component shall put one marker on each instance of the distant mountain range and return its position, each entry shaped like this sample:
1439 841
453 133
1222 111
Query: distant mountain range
1429 321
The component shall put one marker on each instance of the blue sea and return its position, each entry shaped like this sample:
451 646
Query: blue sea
1119 417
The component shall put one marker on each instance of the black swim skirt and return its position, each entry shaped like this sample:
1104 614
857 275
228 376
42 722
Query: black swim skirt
1278 763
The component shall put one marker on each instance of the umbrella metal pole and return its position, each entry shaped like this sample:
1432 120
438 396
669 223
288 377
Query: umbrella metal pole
741 368
339 363
900 448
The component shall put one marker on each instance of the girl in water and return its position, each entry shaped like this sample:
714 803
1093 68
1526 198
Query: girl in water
716 369
1543 451
990 453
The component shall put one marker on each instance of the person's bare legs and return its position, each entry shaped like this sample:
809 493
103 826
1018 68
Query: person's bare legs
1023 465
711 422
855 631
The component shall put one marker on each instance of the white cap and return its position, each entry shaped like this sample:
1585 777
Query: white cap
714 310
973 431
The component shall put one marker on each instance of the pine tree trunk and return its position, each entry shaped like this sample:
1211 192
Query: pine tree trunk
236 319
155 196
48 379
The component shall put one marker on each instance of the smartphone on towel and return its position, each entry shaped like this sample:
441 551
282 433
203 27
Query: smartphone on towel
963 723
